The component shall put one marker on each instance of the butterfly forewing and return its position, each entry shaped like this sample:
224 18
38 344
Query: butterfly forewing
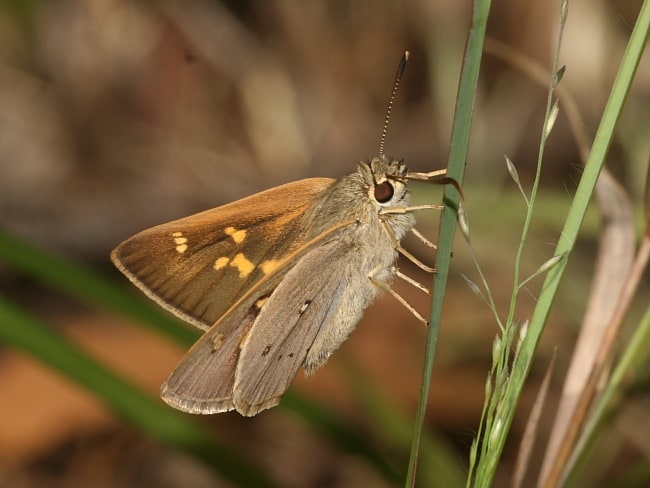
198 266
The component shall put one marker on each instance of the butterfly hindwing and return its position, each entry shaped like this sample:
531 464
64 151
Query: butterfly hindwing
198 266
282 336
204 379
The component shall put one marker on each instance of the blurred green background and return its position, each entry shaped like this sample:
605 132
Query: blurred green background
116 116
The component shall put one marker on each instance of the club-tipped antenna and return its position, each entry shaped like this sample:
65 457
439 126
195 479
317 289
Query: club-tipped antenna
398 78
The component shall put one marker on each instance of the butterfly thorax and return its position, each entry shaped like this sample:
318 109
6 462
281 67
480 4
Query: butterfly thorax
364 253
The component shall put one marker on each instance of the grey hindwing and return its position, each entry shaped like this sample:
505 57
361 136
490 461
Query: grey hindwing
204 379
302 305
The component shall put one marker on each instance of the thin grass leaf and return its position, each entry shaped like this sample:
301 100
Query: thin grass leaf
146 412
474 455
634 356
577 211
600 147
488 296
92 287
440 466
456 170
88 286
522 464
332 426
615 254
504 411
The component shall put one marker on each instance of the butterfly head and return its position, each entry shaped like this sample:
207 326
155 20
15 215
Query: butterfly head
384 179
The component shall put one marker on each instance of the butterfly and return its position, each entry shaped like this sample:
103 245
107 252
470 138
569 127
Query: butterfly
277 280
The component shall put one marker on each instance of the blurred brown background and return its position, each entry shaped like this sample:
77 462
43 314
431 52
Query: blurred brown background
115 116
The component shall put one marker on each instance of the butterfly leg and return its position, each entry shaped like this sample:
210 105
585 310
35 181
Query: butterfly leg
423 239
402 210
409 209
386 287
411 281
438 177
427 176
398 247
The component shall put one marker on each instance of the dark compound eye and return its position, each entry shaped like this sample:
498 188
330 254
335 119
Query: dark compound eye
383 192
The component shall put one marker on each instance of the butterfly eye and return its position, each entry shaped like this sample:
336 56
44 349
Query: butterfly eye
383 192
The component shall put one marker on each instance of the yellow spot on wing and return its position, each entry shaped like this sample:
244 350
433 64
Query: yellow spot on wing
180 241
237 235
242 263
269 265
221 262
260 303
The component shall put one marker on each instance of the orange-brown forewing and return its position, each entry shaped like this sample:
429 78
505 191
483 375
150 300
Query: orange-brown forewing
197 267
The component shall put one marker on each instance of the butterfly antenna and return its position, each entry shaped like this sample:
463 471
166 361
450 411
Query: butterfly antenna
398 78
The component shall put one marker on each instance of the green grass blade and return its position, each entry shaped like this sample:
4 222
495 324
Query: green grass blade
456 170
88 286
568 237
634 357
146 412
439 467
332 426
93 287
